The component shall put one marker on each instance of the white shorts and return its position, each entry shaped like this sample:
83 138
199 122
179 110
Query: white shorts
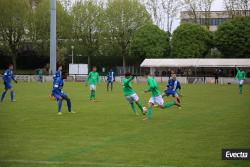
92 87
156 100
241 82
132 98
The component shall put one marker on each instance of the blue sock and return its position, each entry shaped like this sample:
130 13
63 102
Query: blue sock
69 105
59 105
3 95
11 95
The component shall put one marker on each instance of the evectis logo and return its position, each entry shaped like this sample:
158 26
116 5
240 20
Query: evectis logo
235 154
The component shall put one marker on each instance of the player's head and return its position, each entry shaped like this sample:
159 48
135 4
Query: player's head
59 68
64 75
110 70
11 66
174 76
94 69
127 74
147 73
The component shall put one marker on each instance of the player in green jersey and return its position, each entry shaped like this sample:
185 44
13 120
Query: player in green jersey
240 76
92 80
130 94
156 97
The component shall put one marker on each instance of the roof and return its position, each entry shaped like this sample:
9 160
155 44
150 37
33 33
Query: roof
195 63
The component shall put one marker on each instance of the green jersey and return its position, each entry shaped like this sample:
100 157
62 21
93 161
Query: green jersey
153 87
93 78
241 75
126 86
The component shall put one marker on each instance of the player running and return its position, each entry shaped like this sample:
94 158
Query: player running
156 97
93 79
240 76
130 94
110 79
7 78
59 94
172 88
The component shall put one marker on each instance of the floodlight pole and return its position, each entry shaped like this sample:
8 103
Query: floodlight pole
52 36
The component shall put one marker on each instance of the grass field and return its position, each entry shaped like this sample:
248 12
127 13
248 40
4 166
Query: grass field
107 133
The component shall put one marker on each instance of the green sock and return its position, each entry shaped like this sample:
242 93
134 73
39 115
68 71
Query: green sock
133 107
150 112
140 106
91 94
241 89
94 94
168 104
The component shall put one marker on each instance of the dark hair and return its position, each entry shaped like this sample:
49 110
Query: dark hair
127 74
10 65
147 72
64 75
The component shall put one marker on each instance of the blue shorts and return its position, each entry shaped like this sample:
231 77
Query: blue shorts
7 85
60 95
170 92
110 81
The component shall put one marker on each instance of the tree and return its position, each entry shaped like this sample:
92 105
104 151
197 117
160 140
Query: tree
191 41
39 27
150 41
233 38
123 19
237 7
171 9
13 24
87 26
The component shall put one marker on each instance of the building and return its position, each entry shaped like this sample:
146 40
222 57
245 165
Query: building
214 20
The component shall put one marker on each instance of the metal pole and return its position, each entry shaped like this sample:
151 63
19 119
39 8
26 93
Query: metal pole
72 54
53 36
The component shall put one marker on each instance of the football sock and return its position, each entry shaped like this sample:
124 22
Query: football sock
133 107
3 95
59 105
241 89
150 112
140 106
12 95
168 104
69 104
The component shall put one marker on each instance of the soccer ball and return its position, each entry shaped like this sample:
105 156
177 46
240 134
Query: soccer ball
145 109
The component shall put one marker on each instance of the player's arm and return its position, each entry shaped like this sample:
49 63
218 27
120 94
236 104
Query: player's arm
175 85
13 78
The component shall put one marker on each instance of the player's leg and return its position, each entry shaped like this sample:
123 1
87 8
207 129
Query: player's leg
107 85
139 105
111 86
241 86
59 99
149 113
91 92
132 105
94 92
12 95
177 97
66 97
3 94
162 105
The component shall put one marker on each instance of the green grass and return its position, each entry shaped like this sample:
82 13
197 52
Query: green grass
107 133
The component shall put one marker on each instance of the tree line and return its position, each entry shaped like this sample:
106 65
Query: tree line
125 28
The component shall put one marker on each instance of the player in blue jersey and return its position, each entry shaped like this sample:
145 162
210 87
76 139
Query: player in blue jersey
172 88
59 94
7 78
58 74
110 79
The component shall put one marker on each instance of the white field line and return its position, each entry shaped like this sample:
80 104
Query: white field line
80 163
